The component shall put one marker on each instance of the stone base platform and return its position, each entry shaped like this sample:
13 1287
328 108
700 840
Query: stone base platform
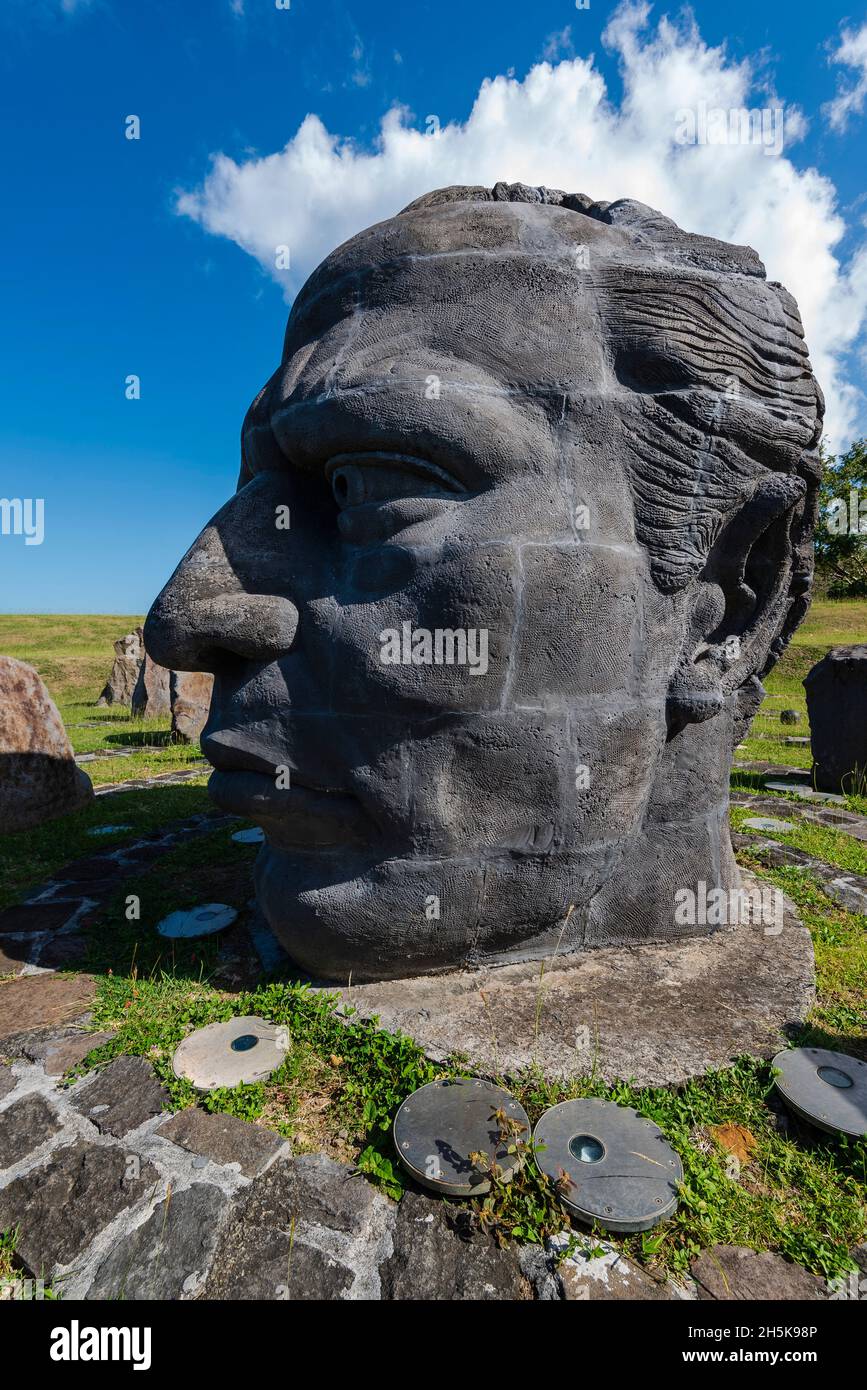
656 1014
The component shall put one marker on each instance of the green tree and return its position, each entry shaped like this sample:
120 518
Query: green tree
841 535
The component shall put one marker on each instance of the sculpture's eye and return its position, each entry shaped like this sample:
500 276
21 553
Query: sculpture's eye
360 479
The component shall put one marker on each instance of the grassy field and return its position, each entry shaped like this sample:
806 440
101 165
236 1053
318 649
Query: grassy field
796 1192
73 655
828 624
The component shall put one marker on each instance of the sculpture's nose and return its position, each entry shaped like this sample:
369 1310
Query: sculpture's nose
204 617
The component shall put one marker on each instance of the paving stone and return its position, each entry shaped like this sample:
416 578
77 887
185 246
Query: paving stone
690 1010
222 1138
805 792
63 1204
97 867
144 854
24 1126
7 1081
334 1249
33 1002
21 954
438 1257
122 1097
169 1255
539 1268
36 917
590 1276
770 824
58 1051
63 952
238 966
848 892
731 1273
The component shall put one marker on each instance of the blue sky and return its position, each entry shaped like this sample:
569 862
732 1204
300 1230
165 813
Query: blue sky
106 274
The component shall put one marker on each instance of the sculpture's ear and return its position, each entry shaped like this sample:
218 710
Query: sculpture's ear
739 604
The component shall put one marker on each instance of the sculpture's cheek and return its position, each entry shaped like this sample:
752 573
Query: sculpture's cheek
442 641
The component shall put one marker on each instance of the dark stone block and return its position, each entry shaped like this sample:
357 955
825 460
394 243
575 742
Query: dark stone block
222 1138
63 952
35 1002
23 1127
306 1229
58 1051
7 1081
837 707
36 917
169 1255
63 1205
731 1272
15 957
121 1097
438 1258
97 867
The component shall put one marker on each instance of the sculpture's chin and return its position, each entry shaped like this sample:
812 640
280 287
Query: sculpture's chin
340 914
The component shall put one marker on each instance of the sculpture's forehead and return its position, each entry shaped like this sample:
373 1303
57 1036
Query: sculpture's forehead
504 234
535 298
542 269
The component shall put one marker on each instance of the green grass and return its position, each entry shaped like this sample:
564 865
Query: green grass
828 624
803 1199
73 655
30 856
801 1193
817 840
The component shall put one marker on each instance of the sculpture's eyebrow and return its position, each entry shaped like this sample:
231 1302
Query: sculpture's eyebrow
714 329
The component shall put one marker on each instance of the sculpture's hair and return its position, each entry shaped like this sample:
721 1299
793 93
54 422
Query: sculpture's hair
700 453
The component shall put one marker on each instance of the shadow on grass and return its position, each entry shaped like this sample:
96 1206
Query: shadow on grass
154 738
29 857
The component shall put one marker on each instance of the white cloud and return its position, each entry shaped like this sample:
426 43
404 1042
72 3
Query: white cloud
558 127
852 53
558 45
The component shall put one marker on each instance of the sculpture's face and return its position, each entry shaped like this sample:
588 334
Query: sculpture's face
452 438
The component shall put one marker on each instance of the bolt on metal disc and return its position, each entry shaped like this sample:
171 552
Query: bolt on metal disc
225 1054
826 1088
441 1124
614 1167
197 921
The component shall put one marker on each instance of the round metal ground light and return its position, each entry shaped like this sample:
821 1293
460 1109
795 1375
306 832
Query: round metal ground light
244 1049
622 1172
441 1124
828 1089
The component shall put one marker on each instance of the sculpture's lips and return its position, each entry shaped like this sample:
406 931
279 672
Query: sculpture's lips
246 783
293 816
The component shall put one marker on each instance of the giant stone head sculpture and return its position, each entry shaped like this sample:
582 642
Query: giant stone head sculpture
523 517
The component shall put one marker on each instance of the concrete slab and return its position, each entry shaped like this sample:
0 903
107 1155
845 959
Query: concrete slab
657 1013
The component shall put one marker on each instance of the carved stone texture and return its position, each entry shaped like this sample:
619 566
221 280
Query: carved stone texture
190 697
128 657
151 698
523 516
837 708
38 776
